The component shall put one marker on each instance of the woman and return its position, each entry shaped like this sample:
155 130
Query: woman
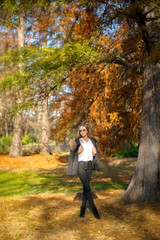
82 160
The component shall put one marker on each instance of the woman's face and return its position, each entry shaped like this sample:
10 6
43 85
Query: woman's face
83 131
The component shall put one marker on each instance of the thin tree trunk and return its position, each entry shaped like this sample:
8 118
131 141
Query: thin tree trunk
45 120
45 127
16 147
6 128
38 130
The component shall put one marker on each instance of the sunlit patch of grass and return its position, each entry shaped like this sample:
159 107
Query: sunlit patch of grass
31 183
55 180
107 186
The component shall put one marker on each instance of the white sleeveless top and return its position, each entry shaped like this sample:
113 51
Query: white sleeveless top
86 154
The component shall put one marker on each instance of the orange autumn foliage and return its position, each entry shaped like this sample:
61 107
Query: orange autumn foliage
107 97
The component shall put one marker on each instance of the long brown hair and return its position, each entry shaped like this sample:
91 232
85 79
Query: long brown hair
84 125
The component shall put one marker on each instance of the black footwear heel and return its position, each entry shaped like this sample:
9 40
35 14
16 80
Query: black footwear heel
96 213
82 212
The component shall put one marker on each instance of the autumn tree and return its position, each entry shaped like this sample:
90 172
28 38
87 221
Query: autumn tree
98 93
142 19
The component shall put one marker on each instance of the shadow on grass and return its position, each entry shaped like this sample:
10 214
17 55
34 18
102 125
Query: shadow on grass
27 183
120 173
56 181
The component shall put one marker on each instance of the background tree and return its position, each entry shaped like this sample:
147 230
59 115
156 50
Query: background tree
45 28
13 15
19 18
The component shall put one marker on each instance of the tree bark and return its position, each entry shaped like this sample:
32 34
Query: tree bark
45 120
16 147
45 127
6 128
144 186
20 30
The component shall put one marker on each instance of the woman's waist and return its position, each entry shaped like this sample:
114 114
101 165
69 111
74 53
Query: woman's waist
85 162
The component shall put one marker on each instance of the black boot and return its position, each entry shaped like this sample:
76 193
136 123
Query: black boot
95 212
82 212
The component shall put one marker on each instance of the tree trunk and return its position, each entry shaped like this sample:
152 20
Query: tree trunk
145 184
38 131
6 128
16 147
45 120
45 127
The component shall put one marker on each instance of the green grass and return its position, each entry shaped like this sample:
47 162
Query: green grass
54 181
28 183
107 186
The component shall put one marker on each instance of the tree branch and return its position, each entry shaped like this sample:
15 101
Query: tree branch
122 62
152 19
150 10
43 94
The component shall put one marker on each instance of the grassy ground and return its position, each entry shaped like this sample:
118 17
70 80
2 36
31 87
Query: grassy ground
38 201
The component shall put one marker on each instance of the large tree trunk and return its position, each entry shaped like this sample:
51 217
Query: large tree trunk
16 147
145 184
45 127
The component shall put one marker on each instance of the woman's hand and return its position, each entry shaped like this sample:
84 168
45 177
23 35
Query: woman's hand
94 151
80 149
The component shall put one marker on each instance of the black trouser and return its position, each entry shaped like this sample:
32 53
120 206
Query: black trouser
85 173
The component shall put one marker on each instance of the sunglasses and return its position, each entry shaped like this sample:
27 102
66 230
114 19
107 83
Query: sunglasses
82 130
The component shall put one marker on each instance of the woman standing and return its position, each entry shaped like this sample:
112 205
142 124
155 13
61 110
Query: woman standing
82 160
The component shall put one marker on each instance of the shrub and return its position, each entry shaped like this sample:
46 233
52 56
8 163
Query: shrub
7 139
127 150
26 152
5 143
30 150
29 138
37 150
